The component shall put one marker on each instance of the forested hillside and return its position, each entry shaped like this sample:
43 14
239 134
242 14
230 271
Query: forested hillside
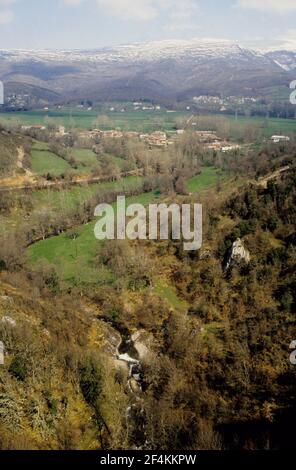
209 331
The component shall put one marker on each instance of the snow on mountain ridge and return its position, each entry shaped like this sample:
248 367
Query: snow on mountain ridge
157 50
284 59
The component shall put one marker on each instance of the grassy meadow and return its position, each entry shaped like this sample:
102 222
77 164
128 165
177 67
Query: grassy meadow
59 199
270 126
141 121
73 258
209 177
45 162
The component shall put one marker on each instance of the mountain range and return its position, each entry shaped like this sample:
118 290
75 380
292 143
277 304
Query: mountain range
162 70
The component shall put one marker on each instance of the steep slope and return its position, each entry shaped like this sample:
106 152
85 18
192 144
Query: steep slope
285 59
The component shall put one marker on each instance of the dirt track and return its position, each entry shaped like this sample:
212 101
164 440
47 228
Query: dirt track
27 182
276 174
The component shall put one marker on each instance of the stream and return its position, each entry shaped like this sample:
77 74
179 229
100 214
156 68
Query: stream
135 413
127 354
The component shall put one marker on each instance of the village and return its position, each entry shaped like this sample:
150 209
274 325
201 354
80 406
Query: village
160 139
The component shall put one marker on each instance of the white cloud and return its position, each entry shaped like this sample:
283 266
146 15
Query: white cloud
6 16
182 16
278 6
141 10
288 40
177 13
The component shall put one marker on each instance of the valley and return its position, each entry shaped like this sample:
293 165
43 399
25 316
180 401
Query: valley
125 301
136 344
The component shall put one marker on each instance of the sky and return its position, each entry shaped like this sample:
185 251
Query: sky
89 24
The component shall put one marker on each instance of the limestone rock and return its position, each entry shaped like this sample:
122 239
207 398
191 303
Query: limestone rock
238 254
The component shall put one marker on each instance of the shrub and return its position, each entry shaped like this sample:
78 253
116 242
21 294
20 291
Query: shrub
90 381
18 368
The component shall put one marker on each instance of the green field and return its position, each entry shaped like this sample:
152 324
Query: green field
169 294
119 162
44 162
142 121
38 145
74 259
208 177
63 199
85 158
269 126
59 199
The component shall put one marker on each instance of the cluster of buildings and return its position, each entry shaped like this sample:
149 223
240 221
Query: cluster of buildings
18 101
223 104
208 139
111 134
33 128
156 139
212 142
222 146
145 107
60 132
136 106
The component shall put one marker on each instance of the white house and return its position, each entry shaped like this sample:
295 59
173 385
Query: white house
280 138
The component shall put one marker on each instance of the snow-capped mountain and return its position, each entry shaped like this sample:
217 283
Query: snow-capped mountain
150 51
285 59
169 69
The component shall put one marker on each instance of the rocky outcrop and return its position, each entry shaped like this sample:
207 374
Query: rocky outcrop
141 342
238 254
